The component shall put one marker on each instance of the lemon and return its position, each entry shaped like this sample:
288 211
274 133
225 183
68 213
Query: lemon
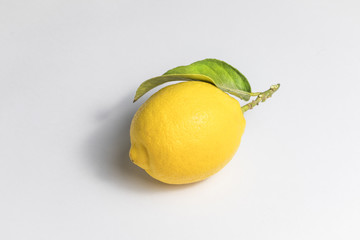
186 132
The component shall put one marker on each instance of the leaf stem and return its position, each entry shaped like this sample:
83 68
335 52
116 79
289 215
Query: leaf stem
254 94
261 97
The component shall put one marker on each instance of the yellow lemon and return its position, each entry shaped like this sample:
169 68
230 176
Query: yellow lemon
186 132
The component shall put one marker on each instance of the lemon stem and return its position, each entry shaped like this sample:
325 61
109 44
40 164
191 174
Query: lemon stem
261 97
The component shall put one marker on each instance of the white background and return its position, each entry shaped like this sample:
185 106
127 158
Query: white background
69 71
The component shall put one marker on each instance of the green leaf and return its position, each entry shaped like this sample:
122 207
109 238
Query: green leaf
213 71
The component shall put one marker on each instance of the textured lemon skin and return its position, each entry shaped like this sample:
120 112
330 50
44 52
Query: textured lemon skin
186 132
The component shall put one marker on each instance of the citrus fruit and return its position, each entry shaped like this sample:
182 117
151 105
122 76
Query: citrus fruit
186 132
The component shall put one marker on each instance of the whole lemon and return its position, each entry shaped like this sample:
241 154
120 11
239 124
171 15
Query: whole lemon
186 132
